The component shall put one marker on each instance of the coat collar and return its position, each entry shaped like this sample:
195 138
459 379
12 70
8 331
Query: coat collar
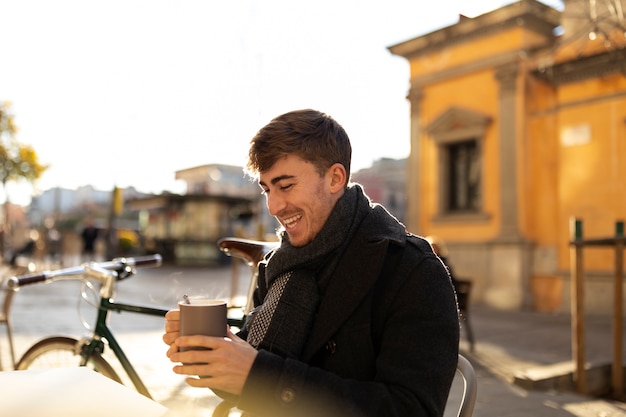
356 273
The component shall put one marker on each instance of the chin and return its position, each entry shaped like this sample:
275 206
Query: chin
295 242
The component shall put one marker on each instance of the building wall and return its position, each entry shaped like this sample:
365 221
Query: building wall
577 136
591 165
554 148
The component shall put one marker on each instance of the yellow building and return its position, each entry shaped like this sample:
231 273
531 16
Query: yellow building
518 123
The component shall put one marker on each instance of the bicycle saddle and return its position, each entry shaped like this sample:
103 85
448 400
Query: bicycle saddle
251 251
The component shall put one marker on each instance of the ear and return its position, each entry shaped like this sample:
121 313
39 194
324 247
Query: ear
338 177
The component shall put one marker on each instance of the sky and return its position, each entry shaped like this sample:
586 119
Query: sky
127 92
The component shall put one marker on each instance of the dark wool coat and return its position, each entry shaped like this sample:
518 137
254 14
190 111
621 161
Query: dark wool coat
384 342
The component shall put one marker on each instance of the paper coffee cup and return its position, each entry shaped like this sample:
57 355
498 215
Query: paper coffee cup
202 316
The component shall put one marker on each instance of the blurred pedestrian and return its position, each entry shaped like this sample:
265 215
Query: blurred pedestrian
89 236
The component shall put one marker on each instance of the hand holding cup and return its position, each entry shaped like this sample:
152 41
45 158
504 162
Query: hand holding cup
202 316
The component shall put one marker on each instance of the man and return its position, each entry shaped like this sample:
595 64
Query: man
354 316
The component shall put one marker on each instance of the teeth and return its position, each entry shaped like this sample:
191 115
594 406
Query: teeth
288 222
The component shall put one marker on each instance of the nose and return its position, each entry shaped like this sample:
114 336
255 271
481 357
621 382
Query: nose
275 204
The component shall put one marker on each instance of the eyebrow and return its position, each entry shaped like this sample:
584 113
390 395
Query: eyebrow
278 179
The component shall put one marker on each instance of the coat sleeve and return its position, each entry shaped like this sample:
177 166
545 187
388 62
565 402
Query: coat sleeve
415 336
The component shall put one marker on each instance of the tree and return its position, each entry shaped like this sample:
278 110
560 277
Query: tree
18 162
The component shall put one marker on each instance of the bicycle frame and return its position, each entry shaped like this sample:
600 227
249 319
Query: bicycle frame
102 330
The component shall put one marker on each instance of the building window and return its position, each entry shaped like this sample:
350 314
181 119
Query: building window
458 135
463 187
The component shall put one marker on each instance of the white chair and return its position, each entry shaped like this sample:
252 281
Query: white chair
470 387
5 318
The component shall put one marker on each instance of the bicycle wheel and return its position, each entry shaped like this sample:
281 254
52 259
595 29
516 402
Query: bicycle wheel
62 352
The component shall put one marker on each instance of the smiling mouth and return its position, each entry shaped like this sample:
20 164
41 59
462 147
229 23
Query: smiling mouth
291 222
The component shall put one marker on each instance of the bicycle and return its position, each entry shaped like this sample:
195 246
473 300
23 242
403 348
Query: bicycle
63 351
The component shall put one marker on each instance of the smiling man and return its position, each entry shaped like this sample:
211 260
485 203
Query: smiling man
354 316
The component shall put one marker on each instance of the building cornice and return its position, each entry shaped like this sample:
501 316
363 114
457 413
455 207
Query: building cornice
488 63
530 14
594 66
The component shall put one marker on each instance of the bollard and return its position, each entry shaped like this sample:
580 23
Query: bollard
619 228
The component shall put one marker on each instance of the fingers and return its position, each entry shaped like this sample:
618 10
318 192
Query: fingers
214 375
169 338
199 382
171 350
172 326
172 315
172 331
231 335
208 342
172 321
204 349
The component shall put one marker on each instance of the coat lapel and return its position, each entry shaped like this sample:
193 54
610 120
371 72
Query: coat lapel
356 273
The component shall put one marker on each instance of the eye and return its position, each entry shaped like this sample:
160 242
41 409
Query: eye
285 187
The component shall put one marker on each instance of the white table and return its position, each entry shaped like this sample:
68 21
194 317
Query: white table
71 392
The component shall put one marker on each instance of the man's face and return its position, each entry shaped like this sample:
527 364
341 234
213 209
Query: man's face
299 198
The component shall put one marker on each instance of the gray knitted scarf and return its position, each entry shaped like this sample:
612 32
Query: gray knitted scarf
296 276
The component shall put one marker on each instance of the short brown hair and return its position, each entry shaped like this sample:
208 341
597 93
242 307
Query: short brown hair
312 135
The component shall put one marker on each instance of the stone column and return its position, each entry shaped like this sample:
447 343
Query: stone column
413 163
509 253
509 229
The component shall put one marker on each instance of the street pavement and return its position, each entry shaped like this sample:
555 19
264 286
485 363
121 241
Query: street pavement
508 344
511 345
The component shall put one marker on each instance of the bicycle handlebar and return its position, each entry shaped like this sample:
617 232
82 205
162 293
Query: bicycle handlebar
94 269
